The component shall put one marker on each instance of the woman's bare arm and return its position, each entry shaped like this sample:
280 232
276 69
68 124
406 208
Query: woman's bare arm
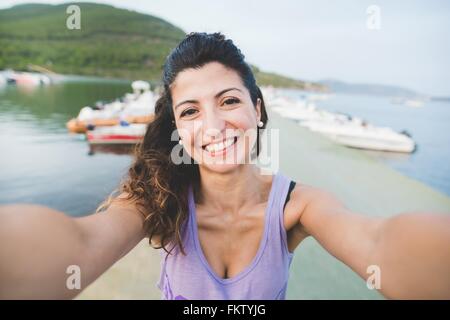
38 244
411 250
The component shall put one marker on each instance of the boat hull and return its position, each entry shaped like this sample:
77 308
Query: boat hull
129 134
78 126
113 139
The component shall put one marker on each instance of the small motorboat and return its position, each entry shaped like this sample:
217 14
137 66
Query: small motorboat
304 111
409 102
26 78
359 134
82 126
123 133
134 108
341 128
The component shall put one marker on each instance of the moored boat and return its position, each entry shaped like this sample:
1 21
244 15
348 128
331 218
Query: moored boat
341 128
118 134
26 78
356 133
134 108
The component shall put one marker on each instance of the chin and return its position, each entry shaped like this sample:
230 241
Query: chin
221 167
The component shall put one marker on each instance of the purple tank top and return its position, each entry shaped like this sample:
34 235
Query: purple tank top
191 277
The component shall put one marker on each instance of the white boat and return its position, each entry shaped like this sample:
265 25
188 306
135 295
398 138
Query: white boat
341 128
413 103
26 78
318 97
409 102
305 111
359 134
143 104
136 107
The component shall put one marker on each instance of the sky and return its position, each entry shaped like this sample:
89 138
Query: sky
404 43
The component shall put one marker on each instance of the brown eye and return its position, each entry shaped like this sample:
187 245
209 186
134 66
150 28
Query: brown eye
231 101
188 112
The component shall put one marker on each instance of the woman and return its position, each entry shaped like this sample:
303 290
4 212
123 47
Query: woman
228 231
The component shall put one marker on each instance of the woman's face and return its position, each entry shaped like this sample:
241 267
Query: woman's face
215 116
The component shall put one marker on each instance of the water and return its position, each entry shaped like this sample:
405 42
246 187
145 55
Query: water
40 162
429 126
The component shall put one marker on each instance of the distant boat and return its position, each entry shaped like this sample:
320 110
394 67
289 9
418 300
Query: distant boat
26 78
305 111
318 97
414 103
409 102
118 134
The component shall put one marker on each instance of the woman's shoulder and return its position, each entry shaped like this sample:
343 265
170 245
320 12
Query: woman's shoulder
303 193
300 196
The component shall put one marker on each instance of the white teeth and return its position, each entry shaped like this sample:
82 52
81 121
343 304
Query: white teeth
219 146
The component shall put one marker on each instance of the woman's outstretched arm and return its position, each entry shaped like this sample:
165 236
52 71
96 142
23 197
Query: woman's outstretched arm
40 248
411 251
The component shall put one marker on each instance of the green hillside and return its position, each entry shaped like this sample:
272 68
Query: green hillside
112 42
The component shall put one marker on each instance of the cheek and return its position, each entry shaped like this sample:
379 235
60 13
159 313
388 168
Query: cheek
243 120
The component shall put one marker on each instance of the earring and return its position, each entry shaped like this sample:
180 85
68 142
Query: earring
260 124
180 141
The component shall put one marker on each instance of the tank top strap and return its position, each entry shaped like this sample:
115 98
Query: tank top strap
281 188
278 229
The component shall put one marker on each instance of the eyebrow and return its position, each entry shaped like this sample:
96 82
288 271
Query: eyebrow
216 96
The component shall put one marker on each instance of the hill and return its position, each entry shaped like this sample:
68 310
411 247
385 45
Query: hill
112 42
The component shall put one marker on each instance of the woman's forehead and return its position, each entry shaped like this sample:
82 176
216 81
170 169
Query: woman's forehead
204 82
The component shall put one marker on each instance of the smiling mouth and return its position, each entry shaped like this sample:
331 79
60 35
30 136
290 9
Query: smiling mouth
219 148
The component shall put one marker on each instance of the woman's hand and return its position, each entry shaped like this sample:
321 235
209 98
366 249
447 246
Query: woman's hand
38 246
411 250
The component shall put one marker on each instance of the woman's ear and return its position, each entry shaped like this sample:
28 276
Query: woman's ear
258 109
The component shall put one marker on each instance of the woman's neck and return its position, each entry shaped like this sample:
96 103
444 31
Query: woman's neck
232 191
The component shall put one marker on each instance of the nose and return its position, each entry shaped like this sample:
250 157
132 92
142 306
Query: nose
213 123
